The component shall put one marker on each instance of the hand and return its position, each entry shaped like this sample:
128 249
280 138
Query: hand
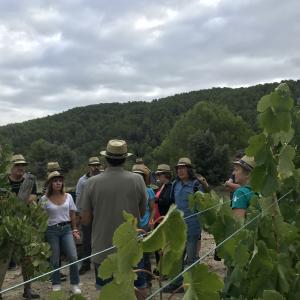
76 234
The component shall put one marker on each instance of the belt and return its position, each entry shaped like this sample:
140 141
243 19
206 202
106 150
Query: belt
62 223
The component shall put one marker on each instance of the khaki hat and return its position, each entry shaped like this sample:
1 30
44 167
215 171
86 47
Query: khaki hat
144 170
18 159
184 161
246 162
94 161
53 166
116 149
139 160
163 168
53 175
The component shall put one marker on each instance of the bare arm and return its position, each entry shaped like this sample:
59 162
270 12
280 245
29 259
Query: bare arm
86 217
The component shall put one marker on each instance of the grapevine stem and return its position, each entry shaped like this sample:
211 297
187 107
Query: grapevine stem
146 271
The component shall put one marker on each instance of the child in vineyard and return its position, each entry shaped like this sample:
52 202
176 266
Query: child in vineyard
242 195
61 229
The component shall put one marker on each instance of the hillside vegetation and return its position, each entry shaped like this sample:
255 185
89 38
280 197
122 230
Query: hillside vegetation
150 128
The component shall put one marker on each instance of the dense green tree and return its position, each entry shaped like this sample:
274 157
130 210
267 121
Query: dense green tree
226 127
210 159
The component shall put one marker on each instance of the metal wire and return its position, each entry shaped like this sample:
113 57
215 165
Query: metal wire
212 250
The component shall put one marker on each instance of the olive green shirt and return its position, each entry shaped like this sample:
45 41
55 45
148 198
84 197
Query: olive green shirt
106 196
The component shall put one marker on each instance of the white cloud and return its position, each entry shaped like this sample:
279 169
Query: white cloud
74 53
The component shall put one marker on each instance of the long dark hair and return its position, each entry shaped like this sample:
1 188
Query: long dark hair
191 173
49 191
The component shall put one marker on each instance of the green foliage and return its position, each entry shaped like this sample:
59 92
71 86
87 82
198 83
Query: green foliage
119 265
214 161
263 258
41 152
22 227
170 241
145 125
225 126
202 284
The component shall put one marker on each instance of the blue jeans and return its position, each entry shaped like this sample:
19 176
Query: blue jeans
61 237
191 249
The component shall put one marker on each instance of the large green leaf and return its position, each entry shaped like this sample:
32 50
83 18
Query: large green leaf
170 241
286 166
202 284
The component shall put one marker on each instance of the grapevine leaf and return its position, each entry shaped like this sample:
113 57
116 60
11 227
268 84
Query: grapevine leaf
272 295
283 136
266 120
283 121
120 265
123 290
286 166
170 241
260 268
202 284
264 103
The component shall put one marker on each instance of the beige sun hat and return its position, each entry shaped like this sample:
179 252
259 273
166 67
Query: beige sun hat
53 175
163 168
116 149
53 166
184 161
94 160
18 159
246 162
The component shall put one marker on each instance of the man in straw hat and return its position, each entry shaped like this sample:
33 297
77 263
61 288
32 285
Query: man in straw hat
24 186
106 196
242 196
95 168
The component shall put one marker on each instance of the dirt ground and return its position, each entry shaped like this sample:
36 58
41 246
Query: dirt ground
87 280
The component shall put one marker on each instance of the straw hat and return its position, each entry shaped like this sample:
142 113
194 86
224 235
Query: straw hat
184 161
246 162
18 159
94 161
116 149
53 166
163 168
54 175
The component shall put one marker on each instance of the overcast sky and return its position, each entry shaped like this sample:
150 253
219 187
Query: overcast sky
55 55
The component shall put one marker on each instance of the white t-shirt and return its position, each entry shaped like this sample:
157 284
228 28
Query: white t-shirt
58 213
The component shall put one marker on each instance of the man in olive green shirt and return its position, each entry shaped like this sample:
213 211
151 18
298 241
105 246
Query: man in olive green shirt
106 196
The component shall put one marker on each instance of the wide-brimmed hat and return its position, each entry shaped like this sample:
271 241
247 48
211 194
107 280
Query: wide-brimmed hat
144 170
163 168
18 159
53 166
94 160
184 161
54 175
246 162
116 149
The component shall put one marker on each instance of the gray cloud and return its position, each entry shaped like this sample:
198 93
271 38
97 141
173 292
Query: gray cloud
73 53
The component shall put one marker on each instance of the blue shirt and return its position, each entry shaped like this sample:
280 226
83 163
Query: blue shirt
182 191
146 218
241 197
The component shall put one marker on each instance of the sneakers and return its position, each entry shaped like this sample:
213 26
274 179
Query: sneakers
56 287
75 289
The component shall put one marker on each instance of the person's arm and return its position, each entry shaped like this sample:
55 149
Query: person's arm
231 185
240 203
33 196
239 212
86 215
143 197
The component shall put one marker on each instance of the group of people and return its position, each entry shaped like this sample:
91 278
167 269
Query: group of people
103 194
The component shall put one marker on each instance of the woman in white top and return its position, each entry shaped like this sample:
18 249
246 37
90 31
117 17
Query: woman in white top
61 229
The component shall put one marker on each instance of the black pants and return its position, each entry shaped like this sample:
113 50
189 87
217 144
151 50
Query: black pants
86 242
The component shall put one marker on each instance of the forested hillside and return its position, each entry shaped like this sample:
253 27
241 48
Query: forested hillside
74 135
